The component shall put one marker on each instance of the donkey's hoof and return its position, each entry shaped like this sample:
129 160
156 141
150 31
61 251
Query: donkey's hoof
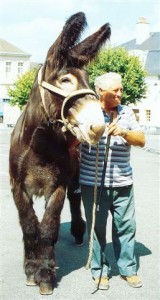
46 288
30 281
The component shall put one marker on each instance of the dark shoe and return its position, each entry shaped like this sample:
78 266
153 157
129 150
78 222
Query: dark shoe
102 283
133 280
79 242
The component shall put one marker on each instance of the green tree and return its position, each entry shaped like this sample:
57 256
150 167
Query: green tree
127 65
19 93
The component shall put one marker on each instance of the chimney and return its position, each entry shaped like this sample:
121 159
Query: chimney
142 30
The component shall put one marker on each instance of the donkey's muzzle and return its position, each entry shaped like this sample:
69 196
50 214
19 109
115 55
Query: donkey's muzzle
97 130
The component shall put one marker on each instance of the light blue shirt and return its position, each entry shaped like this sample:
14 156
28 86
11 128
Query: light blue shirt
119 170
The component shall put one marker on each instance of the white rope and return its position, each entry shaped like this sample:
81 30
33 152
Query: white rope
93 213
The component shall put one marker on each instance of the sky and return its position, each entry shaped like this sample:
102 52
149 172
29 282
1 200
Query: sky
33 25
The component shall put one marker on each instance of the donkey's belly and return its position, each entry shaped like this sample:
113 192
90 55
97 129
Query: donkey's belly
40 183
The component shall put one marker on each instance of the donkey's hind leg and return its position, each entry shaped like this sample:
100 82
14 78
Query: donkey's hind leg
78 225
30 228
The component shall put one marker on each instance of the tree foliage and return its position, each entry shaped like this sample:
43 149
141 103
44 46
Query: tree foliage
127 65
19 93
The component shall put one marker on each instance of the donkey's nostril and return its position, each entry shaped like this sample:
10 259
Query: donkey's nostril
97 129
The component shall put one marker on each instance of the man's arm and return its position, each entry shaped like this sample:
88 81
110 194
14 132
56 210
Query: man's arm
135 138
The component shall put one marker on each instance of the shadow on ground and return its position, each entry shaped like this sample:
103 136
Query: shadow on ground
70 257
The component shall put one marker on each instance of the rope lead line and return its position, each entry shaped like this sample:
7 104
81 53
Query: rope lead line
96 204
91 240
105 165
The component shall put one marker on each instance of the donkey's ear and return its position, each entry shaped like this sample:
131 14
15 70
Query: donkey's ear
87 50
70 35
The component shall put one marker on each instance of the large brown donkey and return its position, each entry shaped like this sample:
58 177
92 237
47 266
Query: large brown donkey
61 110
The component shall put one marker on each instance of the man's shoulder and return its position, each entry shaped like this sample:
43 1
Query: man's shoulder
124 109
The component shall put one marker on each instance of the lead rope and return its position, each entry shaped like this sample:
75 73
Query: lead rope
93 213
96 205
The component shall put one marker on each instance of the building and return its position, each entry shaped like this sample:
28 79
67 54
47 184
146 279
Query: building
13 63
146 46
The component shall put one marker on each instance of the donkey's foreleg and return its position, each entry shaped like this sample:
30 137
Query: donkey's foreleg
78 226
49 229
30 228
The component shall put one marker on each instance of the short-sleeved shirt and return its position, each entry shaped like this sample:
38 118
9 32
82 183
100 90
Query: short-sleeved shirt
118 171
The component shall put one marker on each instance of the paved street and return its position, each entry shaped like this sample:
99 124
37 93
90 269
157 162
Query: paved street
73 280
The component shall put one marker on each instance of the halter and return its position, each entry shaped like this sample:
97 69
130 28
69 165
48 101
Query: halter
68 97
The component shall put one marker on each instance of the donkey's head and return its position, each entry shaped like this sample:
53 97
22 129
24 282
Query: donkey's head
67 93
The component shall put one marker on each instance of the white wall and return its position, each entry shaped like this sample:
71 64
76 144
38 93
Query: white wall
14 68
7 79
151 102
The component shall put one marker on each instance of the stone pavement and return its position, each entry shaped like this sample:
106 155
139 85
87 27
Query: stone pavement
73 280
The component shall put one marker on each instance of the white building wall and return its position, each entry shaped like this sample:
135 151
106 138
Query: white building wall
7 79
150 103
13 75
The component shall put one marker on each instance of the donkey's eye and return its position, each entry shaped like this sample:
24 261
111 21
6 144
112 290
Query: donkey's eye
65 79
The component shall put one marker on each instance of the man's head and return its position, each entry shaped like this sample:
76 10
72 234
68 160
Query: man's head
109 88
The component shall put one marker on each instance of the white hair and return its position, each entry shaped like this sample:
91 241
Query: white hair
105 80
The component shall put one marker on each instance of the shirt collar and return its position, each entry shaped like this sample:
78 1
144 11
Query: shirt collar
120 109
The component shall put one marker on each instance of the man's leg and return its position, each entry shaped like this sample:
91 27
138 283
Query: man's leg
124 229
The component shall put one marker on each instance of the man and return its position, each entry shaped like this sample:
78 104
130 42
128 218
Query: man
118 194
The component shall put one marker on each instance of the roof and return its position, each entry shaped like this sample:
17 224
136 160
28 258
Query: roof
152 43
151 46
8 49
152 64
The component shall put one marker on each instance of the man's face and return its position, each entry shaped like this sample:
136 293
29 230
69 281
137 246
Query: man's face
112 96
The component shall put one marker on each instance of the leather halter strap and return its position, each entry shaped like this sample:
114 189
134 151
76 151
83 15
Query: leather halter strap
49 86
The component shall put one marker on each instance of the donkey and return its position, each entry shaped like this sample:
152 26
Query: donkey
61 112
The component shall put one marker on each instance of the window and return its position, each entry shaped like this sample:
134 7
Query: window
20 68
148 115
8 68
5 100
